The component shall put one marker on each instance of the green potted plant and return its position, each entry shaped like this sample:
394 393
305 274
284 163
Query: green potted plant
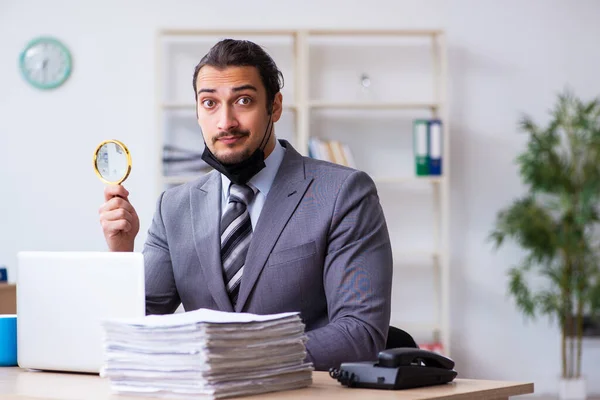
556 222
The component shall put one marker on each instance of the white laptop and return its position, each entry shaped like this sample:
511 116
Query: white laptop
62 297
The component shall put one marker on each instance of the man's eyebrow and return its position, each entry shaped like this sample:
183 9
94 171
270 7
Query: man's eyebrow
204 90
245 87
235 89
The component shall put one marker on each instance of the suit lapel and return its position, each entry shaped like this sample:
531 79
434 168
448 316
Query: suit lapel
288 189
205 199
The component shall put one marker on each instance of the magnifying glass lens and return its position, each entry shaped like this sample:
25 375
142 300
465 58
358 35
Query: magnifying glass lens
112 162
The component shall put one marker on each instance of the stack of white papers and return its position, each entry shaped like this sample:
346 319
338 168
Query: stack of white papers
205 353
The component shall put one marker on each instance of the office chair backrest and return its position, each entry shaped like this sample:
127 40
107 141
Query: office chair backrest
399 338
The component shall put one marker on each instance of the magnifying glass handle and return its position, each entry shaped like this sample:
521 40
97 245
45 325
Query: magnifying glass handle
116 195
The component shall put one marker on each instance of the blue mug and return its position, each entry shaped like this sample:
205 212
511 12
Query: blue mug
8 340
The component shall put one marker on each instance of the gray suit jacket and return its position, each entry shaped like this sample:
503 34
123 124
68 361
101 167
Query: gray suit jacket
320 247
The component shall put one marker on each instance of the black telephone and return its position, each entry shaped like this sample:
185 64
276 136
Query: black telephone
400 368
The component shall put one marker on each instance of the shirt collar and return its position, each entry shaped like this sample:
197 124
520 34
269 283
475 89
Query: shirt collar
263 180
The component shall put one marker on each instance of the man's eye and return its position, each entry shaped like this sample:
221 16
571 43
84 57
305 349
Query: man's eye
244 101
208 103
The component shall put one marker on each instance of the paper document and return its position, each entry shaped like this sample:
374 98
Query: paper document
206 353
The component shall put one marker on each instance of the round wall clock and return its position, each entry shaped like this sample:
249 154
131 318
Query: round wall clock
45 63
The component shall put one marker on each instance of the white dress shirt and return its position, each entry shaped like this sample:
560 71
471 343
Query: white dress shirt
262 181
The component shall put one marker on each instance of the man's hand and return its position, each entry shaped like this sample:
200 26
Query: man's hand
120 222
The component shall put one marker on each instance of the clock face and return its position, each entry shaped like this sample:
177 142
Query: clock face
45 63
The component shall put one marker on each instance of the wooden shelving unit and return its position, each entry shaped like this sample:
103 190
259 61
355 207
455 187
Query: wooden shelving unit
310 93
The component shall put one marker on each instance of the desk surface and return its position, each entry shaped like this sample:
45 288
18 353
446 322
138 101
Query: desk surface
19 384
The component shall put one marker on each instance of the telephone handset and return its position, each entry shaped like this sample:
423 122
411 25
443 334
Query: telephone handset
400 368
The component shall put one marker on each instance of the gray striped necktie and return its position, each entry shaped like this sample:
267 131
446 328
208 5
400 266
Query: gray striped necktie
236 233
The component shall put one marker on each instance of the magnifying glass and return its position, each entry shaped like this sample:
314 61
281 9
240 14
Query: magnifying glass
112 162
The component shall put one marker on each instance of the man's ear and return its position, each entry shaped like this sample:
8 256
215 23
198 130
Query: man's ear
277 107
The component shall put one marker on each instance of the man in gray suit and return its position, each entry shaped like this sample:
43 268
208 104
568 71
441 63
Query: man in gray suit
268 230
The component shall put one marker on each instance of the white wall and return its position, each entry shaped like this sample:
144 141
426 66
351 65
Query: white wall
504 58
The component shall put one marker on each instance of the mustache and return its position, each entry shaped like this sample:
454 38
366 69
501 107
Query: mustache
238 133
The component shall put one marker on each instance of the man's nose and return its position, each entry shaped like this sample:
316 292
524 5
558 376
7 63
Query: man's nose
227 119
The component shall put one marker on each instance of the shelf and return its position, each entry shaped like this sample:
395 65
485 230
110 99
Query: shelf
372 105
331 105
416 327
409 179
376 32
415 258
181 179
432 180
328 32
415 253
192 106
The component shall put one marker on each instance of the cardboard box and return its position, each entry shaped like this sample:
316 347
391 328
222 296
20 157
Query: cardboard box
8 298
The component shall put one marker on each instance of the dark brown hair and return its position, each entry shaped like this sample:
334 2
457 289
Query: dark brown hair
241 53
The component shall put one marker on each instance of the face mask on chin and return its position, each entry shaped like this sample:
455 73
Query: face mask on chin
241 172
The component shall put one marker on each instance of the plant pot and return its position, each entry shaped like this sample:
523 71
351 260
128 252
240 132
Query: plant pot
572 389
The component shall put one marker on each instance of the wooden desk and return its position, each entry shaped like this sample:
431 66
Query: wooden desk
18 384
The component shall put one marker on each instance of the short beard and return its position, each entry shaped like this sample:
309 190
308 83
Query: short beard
230 159
233 158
